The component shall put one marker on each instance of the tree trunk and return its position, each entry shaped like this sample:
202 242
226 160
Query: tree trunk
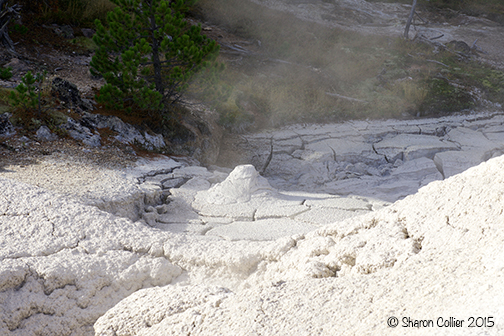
6 15
156 61
410 18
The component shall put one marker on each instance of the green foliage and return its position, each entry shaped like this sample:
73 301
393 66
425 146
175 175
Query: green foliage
444 97
6 73
32 105
149 54
85 43
30 111
20 29
27 94
209 87
4 100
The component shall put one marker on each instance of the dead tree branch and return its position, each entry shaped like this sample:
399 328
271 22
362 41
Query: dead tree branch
354 100
421 18
6 15
437 62
410 18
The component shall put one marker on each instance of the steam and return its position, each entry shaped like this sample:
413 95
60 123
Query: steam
283 69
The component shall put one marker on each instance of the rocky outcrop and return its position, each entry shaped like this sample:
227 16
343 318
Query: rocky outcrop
64 31
80 132
198 135
126 133
87 32
17 65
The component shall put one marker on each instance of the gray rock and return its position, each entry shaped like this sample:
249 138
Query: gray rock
79 132
127 134
174 183
88 32
65 31
44 134
17 65
93 141
162 209
150 218
150 208
69 94
153 141
197 136
6 128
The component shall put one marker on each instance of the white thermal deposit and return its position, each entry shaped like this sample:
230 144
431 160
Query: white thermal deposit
436 256
223 253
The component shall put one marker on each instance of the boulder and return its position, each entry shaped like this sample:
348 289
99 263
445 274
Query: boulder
44 134
65 31
6 127
17 65
69 94
196 135
87 32
79 132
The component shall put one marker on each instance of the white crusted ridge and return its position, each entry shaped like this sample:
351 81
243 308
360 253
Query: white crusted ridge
434 255
63 263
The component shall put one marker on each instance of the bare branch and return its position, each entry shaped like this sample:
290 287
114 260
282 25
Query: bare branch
474 44
354 100
410 18
433 61
6 15
436 37
421 18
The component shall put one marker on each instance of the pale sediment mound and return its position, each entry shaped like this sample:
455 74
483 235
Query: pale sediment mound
241 183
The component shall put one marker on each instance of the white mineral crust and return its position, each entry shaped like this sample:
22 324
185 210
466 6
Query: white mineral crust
164 248
436 254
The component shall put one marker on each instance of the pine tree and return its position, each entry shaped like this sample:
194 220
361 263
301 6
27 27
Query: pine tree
148 53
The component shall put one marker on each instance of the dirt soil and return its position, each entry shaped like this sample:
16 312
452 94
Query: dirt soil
42 49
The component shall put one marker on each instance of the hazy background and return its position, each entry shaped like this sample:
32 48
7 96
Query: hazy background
294 71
